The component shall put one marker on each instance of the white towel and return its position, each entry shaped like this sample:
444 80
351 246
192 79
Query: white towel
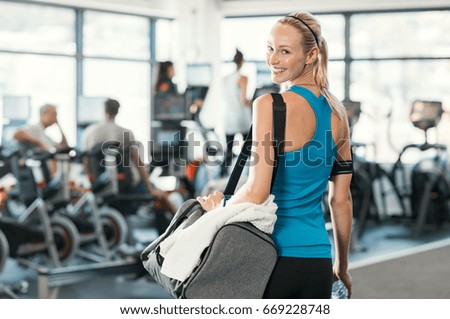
182 249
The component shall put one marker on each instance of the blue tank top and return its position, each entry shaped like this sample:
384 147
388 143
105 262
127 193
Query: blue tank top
301 181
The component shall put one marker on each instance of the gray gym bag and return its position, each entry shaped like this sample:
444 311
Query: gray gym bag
239 261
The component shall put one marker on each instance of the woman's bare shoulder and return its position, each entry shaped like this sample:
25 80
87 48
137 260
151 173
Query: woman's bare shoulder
263 103
262 109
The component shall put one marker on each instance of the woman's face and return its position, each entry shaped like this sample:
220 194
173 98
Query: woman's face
284 54
171 71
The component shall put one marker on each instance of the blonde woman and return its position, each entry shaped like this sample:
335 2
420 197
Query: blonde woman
317 155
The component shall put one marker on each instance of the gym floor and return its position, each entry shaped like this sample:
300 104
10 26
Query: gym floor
384 251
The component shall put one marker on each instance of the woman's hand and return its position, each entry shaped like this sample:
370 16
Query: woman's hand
345 277
211 201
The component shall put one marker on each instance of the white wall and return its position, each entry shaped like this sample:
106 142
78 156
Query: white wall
257 7
199 23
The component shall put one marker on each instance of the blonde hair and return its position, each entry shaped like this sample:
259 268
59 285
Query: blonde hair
312 37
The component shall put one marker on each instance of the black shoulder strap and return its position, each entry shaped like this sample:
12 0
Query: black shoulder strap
279 125
239 166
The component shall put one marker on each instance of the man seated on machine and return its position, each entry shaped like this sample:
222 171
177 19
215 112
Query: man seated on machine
35 136
108 130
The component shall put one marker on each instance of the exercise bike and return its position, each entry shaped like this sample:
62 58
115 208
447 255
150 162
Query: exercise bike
428 191
372 184
102 230
111 182
32 230
9 290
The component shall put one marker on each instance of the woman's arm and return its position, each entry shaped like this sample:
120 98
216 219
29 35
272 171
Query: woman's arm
341 216
242 83
257 188
340 201
24 137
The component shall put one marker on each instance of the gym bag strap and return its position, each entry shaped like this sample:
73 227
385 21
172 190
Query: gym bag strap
279 126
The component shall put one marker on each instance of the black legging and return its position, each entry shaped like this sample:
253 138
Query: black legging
300 278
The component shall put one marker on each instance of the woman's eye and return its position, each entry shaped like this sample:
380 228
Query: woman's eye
269 48
285 52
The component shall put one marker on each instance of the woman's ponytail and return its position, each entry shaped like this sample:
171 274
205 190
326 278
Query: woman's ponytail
321 77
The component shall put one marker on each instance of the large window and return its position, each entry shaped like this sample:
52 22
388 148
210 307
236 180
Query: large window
404 34
48 55
45 80
249 35
396 64
117 65
116 35
35 28
393 59
38 44
129 83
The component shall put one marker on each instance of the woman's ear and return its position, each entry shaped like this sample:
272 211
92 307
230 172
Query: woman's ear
311 57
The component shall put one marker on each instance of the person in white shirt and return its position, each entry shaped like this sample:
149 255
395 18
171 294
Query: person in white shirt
34 135
237 108
108 130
